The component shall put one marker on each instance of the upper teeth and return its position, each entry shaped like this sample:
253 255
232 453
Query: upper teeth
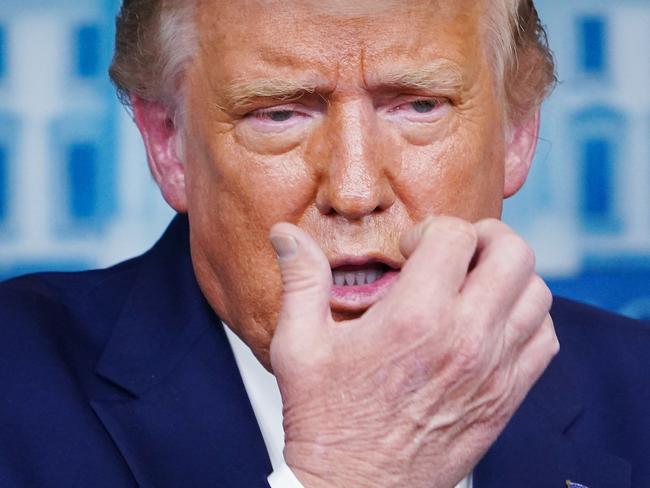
355 278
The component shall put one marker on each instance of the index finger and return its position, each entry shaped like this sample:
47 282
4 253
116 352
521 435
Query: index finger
503 266
441 250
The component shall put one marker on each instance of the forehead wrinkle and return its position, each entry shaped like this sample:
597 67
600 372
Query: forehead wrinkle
357 8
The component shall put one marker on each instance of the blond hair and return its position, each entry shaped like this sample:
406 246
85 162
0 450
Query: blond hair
156 38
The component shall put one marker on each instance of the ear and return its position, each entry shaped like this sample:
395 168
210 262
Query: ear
520 151
160 137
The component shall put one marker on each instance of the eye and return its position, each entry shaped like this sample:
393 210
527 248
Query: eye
276 115
425 106
422 110
279 118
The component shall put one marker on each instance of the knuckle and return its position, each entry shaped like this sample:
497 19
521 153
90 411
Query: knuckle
460 231
554 342
514 253
468 316
528 256
555 346
492 226
547 343
516 246
467 353
537 296
543 293
491 223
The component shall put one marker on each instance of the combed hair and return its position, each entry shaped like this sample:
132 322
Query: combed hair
523 61
156 38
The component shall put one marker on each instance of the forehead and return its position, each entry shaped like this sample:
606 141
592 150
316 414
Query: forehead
242 38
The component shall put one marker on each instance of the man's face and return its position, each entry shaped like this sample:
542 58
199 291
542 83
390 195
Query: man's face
352 120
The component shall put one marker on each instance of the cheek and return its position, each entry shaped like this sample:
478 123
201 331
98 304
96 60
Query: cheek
245 186
235 198
267 142
459 175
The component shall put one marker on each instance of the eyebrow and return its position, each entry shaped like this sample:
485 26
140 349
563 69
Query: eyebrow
440 76
241 93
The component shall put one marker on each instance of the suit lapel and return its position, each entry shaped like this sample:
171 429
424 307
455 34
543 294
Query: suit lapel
180 415
536 450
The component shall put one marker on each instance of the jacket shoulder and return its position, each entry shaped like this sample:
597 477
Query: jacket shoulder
52 319
65 288
606 355
602 345
593 326
53 328
48 295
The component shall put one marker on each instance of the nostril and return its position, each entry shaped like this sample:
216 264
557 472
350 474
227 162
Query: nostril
356 202
350 207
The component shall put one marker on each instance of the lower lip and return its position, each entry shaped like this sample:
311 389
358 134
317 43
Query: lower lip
359 298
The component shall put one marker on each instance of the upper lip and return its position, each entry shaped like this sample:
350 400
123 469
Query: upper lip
363 260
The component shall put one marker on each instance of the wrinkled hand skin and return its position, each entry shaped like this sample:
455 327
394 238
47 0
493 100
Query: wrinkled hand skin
416 390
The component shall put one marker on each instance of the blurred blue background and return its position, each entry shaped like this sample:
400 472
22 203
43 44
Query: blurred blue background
75 191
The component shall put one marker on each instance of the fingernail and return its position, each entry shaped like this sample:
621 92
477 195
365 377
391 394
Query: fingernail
285 246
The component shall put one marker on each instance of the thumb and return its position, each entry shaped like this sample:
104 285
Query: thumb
306 277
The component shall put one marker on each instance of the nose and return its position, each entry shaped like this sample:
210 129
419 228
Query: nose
354 182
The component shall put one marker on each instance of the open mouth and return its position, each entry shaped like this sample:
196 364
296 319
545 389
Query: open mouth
359 275
357 285
359 282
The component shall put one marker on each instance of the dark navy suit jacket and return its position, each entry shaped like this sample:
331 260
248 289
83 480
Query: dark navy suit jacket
124 377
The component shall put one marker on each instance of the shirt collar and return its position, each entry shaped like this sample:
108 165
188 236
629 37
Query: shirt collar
264 395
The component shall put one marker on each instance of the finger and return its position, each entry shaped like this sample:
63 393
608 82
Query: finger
537 353
411 238
528 313
441 249
306 278
501 269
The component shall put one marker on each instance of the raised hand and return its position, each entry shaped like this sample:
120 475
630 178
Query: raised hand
415 391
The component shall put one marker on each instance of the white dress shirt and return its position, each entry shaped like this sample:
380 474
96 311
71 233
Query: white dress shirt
264 395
